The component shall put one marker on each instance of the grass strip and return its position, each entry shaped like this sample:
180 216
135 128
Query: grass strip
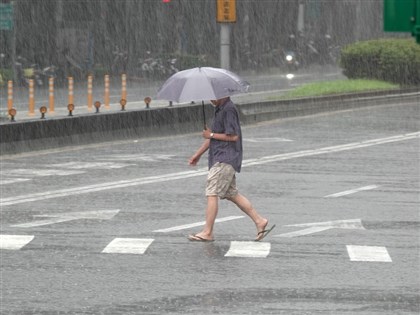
336 87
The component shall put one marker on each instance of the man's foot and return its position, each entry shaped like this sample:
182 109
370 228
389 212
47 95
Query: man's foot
263 231
197 238
262 226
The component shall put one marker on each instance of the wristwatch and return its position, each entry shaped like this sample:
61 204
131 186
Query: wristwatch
212 135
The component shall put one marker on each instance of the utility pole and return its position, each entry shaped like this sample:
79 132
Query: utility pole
226 14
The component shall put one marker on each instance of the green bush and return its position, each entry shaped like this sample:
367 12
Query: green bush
5 75
392 60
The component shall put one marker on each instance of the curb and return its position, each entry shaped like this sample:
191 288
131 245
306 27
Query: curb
16 137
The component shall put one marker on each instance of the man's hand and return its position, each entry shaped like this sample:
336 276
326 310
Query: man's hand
206 133
194 160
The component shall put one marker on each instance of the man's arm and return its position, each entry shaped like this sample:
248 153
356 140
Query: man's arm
207 134
197 155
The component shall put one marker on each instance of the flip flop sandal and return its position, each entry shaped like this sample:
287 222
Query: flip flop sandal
261 235
196 238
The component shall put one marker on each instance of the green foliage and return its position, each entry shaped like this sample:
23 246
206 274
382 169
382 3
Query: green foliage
392 60
338 87
335 87
5 75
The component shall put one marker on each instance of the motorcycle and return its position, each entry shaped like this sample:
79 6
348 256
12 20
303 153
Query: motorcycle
291 62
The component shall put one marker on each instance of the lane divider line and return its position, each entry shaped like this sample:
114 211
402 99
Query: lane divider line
351 191
182 175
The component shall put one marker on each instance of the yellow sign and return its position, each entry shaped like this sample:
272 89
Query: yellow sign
226 11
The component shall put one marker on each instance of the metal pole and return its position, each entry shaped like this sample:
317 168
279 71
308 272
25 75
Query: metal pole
225 46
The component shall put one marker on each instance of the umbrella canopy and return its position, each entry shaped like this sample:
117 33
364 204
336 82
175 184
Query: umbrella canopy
202 83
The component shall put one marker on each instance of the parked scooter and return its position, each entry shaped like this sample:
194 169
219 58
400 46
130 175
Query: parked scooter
49 72
27 72
154 68
171 67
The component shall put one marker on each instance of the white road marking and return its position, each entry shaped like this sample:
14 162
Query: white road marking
323 226
128 246
248 249
259 140
7 181
182 175
40 172
100 187
368 253
69 216
14 242
90 165
351 191
337 148
137 157
188 226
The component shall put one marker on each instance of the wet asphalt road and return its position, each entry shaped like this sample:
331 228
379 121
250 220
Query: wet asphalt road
101 229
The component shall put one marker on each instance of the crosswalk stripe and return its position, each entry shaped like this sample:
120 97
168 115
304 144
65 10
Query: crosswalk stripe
128 246
14 242
248 249
368 253
243 249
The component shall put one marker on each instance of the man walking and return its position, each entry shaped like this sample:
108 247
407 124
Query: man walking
224 142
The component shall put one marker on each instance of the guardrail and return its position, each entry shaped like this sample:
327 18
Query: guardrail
41 134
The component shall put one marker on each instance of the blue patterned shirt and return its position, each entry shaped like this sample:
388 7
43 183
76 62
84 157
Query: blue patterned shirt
226 121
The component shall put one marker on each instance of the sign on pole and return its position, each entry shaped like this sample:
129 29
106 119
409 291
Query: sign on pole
6 16
226 11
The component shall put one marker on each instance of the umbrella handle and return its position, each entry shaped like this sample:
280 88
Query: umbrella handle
204 115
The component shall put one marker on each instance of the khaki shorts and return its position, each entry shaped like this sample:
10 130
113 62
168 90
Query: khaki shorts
221 181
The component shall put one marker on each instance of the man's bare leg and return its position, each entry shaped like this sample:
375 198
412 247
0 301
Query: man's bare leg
245 205
211 214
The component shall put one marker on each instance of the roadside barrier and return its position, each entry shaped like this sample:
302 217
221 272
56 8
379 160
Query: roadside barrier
51 95
124 86
90 93
106 96
70 81
31 98
9 95
71 91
